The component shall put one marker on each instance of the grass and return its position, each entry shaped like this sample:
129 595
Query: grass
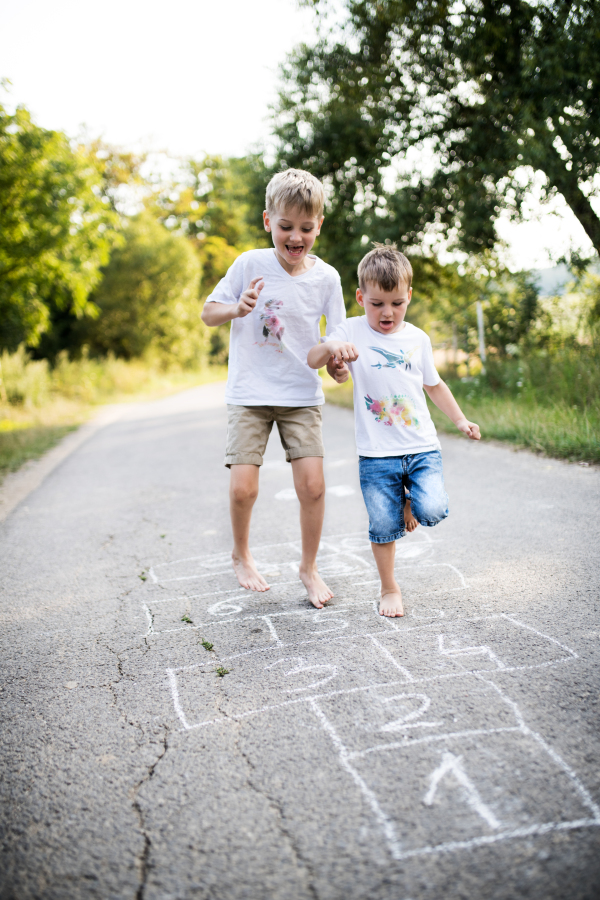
19 445
40 405
549 404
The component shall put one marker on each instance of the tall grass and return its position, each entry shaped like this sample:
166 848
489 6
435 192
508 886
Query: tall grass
40 404
548 402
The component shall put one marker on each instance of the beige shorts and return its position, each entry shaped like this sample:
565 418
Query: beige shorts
249 427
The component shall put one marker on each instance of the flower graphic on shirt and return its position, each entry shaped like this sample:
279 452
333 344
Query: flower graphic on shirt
272 328
401 358
395 410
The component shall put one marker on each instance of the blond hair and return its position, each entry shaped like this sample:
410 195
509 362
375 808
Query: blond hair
386 267
295 189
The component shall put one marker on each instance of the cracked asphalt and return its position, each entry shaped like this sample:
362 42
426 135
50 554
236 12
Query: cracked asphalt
338 756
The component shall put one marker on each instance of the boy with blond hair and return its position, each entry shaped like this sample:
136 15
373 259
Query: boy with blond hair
391 363
275 299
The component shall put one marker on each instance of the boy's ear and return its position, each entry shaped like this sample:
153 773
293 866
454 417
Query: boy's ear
409 295
266 220
320 225
359 297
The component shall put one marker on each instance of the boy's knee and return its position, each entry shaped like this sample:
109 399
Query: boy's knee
312 490
430 511
243 493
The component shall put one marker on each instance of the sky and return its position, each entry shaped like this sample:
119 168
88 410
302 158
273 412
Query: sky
185 77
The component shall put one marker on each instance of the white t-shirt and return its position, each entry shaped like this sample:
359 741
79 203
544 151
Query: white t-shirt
268 347
390 411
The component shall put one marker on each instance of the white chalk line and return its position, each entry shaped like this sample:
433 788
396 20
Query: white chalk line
330 694
262 548
387 825
527 831
454 765
581 790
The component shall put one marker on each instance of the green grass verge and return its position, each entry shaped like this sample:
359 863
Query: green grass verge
555 429
29 429
22 444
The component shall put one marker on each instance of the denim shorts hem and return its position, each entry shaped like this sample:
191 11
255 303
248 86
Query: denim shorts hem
378 539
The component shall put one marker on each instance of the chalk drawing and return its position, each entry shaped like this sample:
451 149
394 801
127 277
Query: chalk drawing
454 765
423 711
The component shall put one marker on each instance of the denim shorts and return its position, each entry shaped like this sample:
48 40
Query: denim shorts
384 481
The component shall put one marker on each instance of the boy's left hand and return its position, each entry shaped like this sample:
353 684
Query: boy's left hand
338 370
469 428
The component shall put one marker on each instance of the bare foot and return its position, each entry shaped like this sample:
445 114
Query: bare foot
318 592
391 603
410 523
247 574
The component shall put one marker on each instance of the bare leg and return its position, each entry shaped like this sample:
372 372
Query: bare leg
391 595
410 523
243 491
310 488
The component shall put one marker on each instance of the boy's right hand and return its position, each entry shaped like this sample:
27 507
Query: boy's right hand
342 351
249 297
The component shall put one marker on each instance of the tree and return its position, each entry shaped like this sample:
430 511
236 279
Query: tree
56 230
218 204
468 99
147 300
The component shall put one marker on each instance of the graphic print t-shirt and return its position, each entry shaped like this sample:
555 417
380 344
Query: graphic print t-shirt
268 347
390 411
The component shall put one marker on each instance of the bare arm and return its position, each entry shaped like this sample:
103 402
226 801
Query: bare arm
443 398
217 313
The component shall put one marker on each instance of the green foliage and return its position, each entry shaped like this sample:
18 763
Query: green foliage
147 301
218 204
546 401
215 203
468 100
19 445
55 228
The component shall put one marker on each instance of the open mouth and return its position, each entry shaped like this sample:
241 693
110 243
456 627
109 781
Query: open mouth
294 250
387 325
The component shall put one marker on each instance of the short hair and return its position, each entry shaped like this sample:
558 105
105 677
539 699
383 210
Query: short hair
295 189
386 267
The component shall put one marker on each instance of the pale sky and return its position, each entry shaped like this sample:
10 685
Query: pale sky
186 77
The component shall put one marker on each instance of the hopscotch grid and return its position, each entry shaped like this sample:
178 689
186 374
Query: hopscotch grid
260 549
387 824
330 694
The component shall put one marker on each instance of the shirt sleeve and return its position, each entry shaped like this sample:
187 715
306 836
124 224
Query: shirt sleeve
339 333
430 373
335 311
231 286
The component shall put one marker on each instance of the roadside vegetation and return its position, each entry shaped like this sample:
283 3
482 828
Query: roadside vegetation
40 404
546 402
107 255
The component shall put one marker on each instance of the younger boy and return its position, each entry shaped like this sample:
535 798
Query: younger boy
275 299
391 362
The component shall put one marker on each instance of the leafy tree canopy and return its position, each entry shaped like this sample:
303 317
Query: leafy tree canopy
147 300
218 204
56 229
464 99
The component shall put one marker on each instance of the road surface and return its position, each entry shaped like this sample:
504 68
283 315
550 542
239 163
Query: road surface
453 753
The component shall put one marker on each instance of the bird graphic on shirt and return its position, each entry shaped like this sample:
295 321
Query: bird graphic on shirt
401 358
272 327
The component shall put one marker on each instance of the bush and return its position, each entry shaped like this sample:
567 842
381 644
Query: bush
23 381
148 300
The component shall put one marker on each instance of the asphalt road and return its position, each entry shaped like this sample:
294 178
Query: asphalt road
451 754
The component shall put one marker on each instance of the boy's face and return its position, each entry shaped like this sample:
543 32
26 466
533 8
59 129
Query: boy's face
294 233
385 310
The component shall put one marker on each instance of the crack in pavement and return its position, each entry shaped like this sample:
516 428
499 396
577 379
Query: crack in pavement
276 807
